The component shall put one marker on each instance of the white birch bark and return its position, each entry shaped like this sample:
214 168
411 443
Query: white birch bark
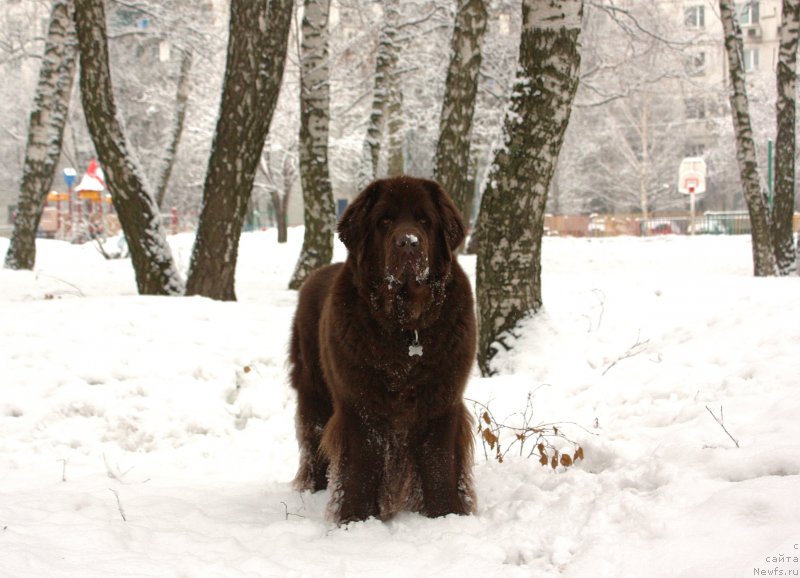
181 103
385 69
785 145
395 154
511 222
451 165
45 133
763 254
151 256
319 209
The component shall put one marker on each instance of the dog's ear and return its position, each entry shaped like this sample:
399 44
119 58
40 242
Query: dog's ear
452 224
354 223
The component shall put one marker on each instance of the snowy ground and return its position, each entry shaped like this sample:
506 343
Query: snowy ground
176 415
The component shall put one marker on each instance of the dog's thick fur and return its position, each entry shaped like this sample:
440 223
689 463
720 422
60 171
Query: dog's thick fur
388 430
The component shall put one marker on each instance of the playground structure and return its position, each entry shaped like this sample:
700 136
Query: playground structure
78 216
90 215
86 212
82 213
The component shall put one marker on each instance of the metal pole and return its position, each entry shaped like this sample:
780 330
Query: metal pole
71 213
69 178
769 172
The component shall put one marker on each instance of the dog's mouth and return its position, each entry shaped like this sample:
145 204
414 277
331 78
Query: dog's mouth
407 271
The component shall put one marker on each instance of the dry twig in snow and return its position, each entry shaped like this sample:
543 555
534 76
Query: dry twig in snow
119 504
634 350
719 420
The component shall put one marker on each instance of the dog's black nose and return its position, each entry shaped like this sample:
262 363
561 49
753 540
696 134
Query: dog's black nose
407 242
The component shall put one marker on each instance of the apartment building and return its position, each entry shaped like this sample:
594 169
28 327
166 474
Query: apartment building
705 92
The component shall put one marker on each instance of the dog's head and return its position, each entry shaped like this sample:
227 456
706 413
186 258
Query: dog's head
401 234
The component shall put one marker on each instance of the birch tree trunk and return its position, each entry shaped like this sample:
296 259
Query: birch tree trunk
45 133
451 164
280 204
155 269
785 146
763 253
319 213
395 155
385 69
511 220
253 71
279 187
644 166
181 102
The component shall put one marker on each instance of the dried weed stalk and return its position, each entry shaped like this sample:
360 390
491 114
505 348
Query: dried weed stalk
529 440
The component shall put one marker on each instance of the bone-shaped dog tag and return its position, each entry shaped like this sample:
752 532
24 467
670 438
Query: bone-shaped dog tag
415 348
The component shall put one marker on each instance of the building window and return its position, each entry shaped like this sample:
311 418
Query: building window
750 57
694 150
695 108
748 13
696 64
694 16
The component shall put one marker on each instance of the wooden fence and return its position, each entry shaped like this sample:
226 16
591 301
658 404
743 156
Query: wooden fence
709 223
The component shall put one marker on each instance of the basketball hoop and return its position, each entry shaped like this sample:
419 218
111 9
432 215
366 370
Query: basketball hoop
692 182
692 176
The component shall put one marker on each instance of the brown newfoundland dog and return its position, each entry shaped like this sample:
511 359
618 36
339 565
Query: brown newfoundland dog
381 349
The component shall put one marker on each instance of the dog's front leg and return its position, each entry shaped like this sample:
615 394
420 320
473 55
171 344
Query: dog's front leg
444 458
356 450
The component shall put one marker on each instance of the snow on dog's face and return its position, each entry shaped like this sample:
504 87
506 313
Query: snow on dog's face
401 233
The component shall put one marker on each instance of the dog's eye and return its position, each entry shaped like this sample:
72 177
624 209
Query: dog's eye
385 221
423 220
